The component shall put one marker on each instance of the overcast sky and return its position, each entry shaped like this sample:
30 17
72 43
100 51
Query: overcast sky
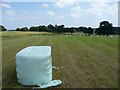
72 13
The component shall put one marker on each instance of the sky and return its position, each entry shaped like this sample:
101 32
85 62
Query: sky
71 13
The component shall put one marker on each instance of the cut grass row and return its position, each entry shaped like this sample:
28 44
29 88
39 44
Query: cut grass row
83 61
19 33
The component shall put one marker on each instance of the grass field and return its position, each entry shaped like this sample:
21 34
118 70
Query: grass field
19 33
84 62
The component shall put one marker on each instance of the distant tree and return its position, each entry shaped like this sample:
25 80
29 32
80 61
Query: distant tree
42 28
84 30
2 28
90 31
72 30
56 28
105 28
69 30
81 29
33 28
51 28
60 28
98 31
78 29
116 30
17 29
24 29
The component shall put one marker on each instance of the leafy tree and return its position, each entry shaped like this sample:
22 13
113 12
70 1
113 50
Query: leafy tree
116 30
69 30
17 29
24 29
78 29
42 28
84 30
90 31
97 31
81 29
60 28
33 28
105 28
51 28
2 28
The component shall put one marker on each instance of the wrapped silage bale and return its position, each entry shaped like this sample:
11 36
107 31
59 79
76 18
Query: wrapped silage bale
34 66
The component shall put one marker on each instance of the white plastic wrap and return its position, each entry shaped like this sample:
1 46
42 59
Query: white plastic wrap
34 66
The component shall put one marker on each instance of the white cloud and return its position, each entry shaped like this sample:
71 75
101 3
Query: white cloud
102 9
96 12
10 12
3 5
45 5
76 12
65 3
100 1
113 10
56 0
59 4
50 13
96 9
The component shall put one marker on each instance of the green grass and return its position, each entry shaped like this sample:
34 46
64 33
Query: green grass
84 61
19 33
0 61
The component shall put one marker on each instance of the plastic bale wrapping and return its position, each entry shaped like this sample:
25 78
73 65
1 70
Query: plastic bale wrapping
34 66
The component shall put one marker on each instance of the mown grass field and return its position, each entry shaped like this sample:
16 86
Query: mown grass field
19 33
84 62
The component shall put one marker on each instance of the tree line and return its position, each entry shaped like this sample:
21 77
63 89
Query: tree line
49 28
105 28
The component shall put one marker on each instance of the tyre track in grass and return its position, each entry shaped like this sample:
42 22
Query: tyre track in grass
101 67
58 56
9 60
84 84
103 51
73 54
18 46
74 65
68 73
